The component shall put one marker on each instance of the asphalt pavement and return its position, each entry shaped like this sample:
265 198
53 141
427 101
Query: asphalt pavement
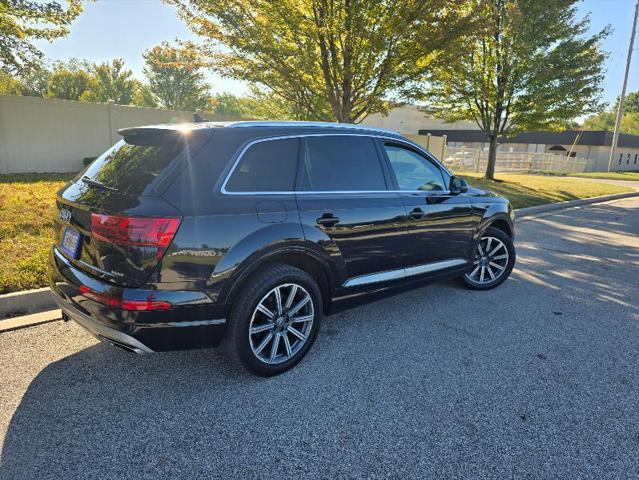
536 379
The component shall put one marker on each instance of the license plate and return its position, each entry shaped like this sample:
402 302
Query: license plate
70 242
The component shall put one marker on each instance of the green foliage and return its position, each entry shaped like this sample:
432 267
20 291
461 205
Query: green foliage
34 82
9 85
531 65
68 80
630 105
606 119
176 78
230 105
110 81
600 121
143 96
23 21
325 59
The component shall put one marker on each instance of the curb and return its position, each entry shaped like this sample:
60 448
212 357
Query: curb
25 303
40 300
525 213
17 323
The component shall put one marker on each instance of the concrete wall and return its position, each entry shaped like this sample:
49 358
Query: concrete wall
51 135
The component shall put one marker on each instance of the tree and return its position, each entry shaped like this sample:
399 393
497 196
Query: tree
69 80
143 96
600 121
229 105
110 81
631 104
175 77
530 66
606 121
35 81
9 85
22 22
328 59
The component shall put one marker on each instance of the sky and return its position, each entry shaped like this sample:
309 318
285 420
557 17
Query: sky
125 28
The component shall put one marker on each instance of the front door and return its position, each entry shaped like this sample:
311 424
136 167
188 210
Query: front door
347 208
440 224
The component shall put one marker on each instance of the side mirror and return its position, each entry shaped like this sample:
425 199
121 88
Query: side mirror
458 185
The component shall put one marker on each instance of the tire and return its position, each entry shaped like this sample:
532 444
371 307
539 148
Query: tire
496 264
259 295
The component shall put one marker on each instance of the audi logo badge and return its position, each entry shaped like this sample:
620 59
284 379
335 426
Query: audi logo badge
65 215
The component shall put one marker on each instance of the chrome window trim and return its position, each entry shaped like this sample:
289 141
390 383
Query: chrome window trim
401 140
403 272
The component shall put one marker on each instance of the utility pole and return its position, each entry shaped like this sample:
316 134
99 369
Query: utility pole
622 97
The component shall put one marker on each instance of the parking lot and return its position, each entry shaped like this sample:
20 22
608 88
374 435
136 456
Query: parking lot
536 379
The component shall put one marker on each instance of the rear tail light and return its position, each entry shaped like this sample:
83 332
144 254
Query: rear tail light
138 305
134 231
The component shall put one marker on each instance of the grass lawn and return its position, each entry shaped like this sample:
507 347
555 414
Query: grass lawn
608 175
530 190
27 210
27 204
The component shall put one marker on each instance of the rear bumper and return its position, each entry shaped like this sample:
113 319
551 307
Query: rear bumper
193 322
101 331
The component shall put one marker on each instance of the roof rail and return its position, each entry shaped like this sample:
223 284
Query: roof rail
350 126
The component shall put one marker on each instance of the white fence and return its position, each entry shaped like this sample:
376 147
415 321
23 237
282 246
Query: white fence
476 160
51 135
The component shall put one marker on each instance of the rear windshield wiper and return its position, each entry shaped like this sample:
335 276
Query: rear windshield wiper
94 183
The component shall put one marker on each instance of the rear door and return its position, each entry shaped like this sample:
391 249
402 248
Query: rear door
440 224
347 206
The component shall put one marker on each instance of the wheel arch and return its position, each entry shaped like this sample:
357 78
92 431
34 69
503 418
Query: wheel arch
497 215
503 225
296 257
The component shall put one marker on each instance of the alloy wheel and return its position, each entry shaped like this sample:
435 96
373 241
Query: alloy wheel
489 262
281 323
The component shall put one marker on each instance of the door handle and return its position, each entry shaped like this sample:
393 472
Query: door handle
417 213
328 220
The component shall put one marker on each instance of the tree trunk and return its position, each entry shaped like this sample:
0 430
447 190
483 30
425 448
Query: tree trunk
492 158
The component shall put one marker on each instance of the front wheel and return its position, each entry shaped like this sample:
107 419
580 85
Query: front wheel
493 260
275 320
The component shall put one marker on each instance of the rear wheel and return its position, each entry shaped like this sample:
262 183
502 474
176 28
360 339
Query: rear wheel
493 260
274 320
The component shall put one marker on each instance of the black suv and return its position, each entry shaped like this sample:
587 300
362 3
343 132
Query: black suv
246 233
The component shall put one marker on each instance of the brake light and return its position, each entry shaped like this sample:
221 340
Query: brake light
134 231
138 305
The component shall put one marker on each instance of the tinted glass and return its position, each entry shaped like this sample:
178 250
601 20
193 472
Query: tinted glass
413 171
132 164
342 163
268 166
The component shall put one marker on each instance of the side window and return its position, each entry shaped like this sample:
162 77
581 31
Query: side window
413 171
268 166
341 163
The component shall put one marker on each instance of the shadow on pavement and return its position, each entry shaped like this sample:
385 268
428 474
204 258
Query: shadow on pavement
537 378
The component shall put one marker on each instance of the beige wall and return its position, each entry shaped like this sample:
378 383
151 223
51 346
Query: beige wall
51 135
409 119
435 145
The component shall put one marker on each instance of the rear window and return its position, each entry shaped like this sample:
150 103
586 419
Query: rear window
341 163
132 164
267 166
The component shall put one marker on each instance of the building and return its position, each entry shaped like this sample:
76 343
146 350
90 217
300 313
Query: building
409 119
594 146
